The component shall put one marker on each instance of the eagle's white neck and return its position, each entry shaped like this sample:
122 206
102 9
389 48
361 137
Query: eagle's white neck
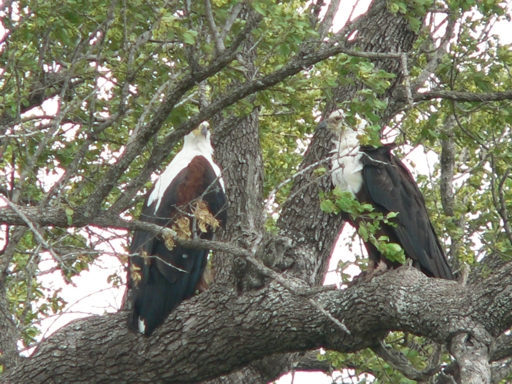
347 143
346 163
194 143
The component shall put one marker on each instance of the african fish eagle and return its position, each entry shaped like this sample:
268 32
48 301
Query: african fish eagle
376 176
189 198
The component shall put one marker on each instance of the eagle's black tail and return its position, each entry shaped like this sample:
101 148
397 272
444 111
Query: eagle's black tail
157 294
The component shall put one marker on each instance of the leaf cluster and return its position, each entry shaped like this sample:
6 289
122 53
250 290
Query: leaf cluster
369 221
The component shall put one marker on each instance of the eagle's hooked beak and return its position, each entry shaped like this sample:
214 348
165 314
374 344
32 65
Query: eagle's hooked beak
322 124
202 129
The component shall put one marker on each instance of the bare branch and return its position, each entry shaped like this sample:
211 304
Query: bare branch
447 167
327 21
353 10
219 43
235 11
407 79
272 194
463 96
470 134
358 22
39 238
436 58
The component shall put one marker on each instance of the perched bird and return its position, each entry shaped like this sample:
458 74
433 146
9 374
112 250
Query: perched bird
375 176
188 198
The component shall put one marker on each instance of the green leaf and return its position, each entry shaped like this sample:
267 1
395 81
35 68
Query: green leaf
328 206
362 231
258 8
69 215
320 171
189 37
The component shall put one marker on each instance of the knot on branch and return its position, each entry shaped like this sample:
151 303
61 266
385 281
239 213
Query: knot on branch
268 249
472 354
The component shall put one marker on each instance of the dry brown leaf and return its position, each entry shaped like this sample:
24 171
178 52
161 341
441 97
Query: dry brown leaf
182 228
135 274
204 217
145 257
123 259
169 241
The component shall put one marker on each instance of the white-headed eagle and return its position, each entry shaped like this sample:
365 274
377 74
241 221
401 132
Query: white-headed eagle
189 198
376 176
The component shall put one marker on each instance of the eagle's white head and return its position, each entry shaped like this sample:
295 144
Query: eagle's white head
199 138
337 123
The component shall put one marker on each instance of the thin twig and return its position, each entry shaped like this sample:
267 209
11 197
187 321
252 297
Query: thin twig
272 194
231 20
219 44
470 134
353 10
327 21
407 79
40 238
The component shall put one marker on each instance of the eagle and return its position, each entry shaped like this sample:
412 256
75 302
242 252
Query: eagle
373 175
189 197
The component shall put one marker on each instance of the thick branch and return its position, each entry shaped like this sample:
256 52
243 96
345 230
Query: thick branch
472 356
464 96
222 331
501 348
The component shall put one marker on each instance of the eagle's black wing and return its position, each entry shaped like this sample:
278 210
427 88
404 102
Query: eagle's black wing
391 188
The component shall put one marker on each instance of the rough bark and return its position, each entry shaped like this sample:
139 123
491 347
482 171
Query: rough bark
8 343
472 356
239 154
242 165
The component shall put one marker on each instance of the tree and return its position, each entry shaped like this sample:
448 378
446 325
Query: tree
129 79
